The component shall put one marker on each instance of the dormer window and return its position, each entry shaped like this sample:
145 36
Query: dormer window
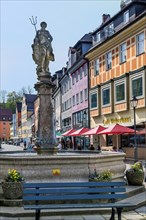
126 17
98 37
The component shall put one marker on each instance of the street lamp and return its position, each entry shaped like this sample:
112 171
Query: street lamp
134 103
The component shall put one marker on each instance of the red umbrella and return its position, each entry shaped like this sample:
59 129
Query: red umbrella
95 130
143 131
67 133
117 129
80 132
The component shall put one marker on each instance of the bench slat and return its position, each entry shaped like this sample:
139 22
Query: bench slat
73 197
73 190
72 184
75 206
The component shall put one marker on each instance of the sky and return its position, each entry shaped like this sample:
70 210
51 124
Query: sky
67 22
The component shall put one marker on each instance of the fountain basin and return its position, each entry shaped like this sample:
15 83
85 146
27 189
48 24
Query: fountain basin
65 166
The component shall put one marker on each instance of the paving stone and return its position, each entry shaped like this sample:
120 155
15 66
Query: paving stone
132 215
93 217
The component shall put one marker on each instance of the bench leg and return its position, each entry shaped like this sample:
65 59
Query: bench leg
37 214
113 214
119 211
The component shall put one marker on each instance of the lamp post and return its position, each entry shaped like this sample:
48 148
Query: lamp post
134 103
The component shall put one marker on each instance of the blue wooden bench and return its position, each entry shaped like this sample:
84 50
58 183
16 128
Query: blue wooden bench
74 195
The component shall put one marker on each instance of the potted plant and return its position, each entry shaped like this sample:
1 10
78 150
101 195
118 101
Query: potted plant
105 175
12 185
135 175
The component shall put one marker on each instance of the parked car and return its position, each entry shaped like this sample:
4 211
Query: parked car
10 142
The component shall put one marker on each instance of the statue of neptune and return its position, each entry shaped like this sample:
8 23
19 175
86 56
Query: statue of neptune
42 48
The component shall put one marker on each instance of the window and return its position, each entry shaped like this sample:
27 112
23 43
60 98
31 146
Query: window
123 53
120 92
126 17
140 43
70 83
106 31
85 70
106 96
98 36
73 100
108 60
137 86
93 100
111 29
86 94
77 76
77 98
81 96
96 67
81 72
73 79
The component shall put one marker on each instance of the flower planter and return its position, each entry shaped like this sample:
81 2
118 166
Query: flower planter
135 178
12 190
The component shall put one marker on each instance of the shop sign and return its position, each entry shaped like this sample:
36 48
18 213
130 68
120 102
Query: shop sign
116 120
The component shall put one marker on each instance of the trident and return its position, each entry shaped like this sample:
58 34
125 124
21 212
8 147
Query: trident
33 22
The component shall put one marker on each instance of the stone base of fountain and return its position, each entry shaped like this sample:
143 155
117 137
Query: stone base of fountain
63 167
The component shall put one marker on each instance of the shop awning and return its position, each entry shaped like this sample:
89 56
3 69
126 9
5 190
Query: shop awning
69 132
117 129
95 130
80 132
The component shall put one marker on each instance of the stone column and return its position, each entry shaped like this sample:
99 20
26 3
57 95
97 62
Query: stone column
46 134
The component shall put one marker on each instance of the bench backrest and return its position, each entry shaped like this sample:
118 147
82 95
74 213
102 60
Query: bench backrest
69 191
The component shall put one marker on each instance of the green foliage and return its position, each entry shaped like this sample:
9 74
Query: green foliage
14 176
137 167
105 175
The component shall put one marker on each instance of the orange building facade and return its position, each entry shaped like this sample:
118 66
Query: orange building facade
5 120
117 69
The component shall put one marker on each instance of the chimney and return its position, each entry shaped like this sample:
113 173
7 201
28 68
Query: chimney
105 17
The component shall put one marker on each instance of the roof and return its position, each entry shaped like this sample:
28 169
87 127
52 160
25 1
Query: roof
7 113
30 98
19 106
87 38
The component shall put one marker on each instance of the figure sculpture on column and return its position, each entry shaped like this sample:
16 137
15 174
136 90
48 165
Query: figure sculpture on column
42 49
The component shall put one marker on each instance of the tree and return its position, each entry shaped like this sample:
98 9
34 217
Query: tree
12 98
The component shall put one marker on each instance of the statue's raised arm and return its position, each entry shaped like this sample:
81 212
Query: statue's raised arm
42 49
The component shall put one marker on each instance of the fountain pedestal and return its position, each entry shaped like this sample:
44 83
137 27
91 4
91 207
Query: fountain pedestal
46 141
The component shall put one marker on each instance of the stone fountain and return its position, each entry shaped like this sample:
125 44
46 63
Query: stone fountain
48 164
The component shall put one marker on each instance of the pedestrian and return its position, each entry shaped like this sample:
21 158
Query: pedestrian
24 145
92 147
59 146
98 148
